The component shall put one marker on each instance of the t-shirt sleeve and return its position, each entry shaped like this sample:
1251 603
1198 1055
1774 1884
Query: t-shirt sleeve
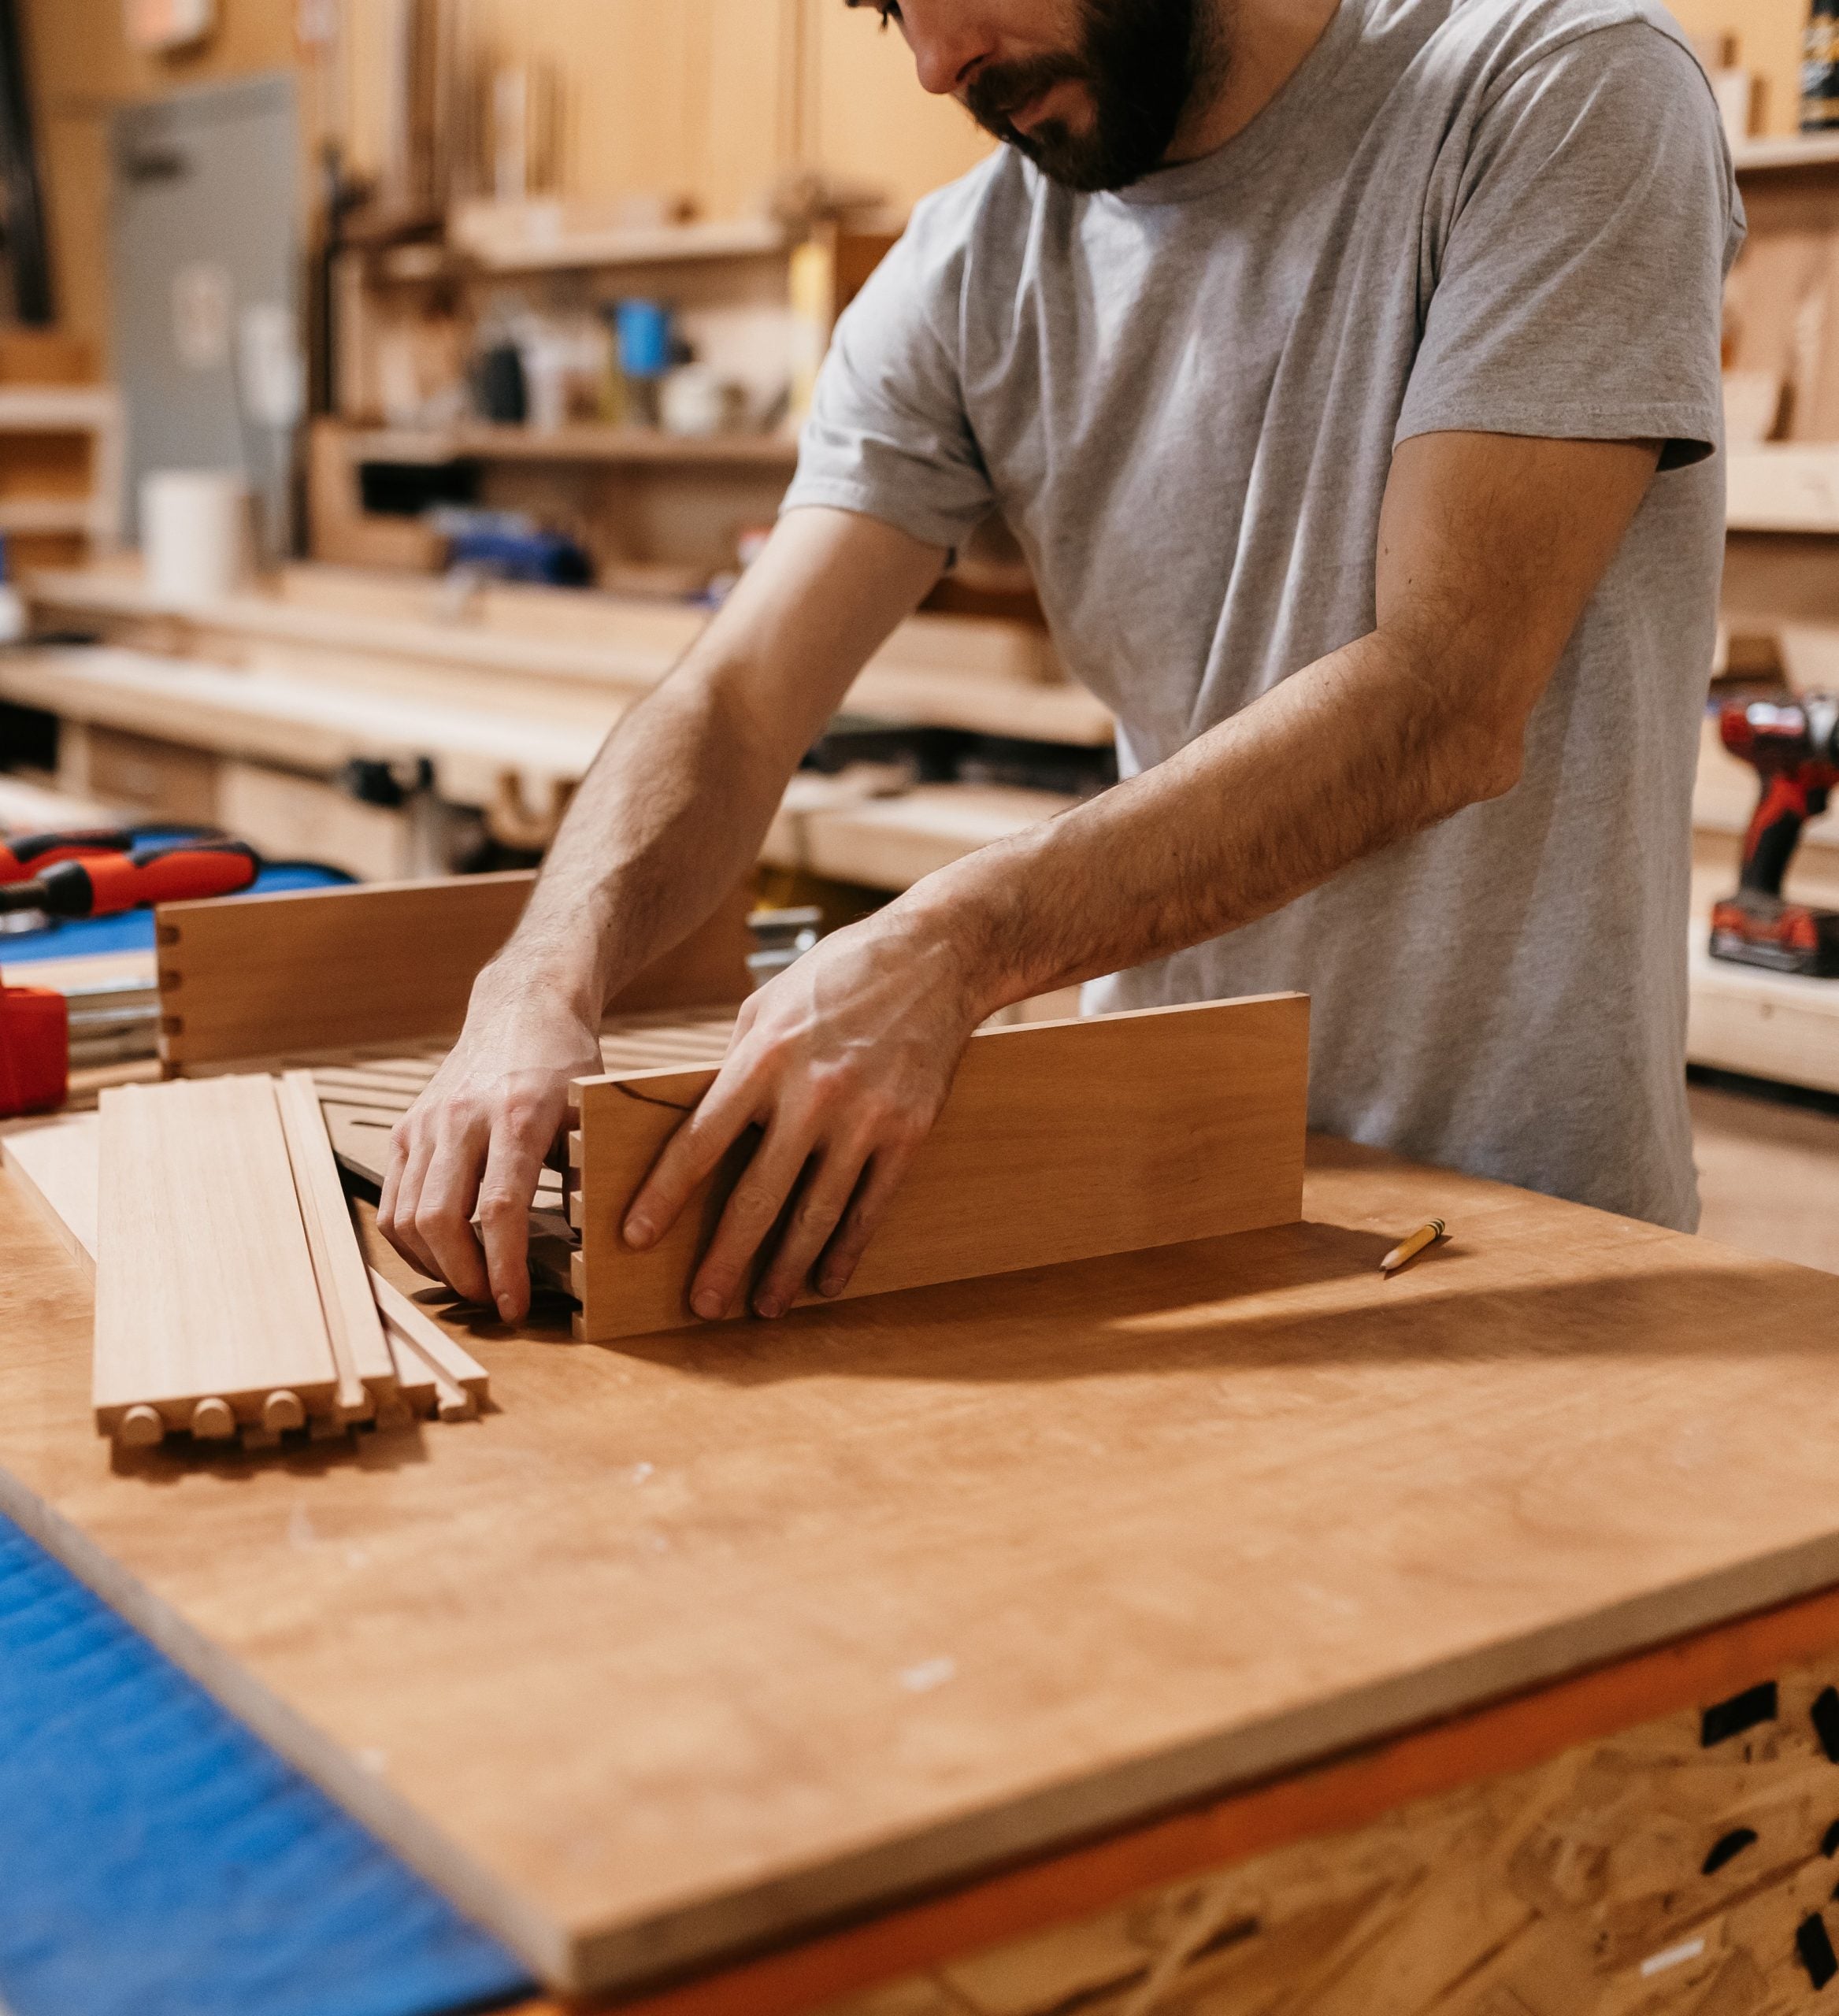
887 434
1577 292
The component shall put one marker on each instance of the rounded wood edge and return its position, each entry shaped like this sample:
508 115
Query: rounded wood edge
211 1420
283 1411
140 1427
1330 1798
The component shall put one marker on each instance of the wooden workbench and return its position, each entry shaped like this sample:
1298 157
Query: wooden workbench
712 1641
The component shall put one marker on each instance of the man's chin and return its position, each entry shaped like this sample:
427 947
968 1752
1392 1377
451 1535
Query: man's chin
1079 163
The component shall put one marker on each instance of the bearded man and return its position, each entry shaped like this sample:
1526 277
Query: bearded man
1349 374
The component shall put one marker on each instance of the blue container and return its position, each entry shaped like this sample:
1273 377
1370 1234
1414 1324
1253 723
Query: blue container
646 338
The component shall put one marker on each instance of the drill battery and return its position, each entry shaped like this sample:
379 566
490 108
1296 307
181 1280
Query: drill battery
35 1049
1783 937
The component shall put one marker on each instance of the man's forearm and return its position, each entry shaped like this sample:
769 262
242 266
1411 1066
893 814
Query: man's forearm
1349 755
672 812
667 821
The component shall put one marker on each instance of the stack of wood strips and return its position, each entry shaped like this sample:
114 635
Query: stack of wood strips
364 1092
233 1298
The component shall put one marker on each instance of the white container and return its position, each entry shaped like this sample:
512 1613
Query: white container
698 402
194 533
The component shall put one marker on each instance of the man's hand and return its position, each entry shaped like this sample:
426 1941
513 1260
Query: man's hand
477 1138
666 822
843 1062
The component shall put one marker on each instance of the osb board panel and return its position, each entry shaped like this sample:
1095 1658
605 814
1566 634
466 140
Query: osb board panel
1652 1874
708 1638
1060 1141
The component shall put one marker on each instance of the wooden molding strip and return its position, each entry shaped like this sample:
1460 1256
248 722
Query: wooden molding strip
1061 1141
367 1374
447 1356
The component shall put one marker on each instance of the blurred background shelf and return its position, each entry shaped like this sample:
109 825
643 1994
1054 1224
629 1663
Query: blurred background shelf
580 442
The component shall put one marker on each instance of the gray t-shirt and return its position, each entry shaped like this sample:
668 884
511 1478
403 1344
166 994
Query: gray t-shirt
1511 216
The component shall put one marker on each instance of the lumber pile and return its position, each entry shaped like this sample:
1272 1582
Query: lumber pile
232 1299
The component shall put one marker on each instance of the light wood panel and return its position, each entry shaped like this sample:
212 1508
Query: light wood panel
205 1287
1060 1141
900 1589
55 1162
367 1373
270 975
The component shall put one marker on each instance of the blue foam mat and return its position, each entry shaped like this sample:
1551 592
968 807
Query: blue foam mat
157 1859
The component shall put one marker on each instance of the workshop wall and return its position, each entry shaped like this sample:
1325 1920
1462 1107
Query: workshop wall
709 100
1768 35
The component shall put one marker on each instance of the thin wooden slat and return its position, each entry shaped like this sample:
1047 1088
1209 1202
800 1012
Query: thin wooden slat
367 1373
261 976
204 1286
1061 1141
447 1355
415 1385
452 1402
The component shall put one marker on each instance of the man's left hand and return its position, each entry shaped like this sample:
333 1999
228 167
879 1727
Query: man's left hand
843 1062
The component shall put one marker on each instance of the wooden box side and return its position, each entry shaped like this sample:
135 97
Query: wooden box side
262 977
1061 1141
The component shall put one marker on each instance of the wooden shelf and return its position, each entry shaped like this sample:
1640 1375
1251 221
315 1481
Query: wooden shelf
576 250
58 409
28 516
1798 151
1784 487
581 443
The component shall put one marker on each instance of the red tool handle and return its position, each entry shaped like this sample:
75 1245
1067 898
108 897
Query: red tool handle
22 859
170 875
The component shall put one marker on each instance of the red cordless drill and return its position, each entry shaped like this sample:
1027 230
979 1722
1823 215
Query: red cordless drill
1794 746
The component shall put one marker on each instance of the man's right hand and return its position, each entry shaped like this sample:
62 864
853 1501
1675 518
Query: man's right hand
478 1137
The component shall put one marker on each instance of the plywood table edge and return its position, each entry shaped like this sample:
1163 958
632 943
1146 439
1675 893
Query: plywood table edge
1336 1795
343 1778
953 1852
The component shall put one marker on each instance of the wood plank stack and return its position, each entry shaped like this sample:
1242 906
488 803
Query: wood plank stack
232 1299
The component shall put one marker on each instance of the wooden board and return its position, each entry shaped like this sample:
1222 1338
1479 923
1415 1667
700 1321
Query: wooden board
713 1639
260 976
55 1162
204 1286
367 1372
1060 1141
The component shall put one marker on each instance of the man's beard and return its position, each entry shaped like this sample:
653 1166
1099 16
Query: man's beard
1142 62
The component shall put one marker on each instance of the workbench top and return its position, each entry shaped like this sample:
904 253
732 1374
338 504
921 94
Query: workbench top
706 1639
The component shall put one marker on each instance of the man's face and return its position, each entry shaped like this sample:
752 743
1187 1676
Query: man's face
1091 91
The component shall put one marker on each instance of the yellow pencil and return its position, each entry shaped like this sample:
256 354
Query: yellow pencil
1407 1250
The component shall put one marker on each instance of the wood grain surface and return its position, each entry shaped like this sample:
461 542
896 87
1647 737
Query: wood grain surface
205 1285
262 976
1060 1141
367 1372
708 1639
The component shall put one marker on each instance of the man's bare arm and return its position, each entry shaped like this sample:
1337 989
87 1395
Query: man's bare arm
669 817
1490 548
